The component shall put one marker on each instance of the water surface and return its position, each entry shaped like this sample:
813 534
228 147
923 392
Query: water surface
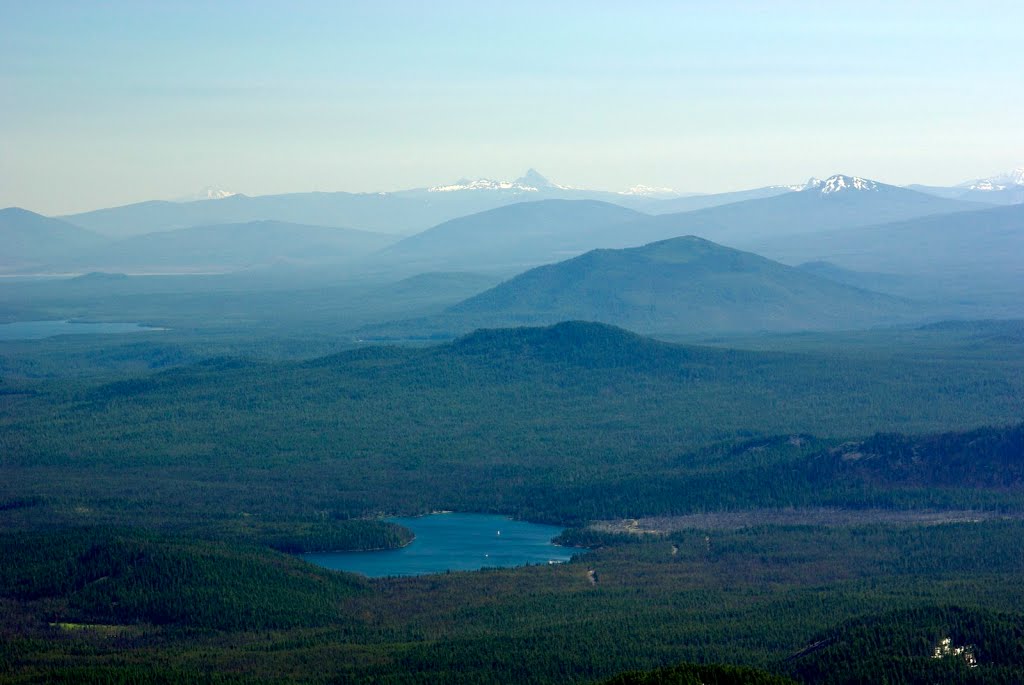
36 330
455 542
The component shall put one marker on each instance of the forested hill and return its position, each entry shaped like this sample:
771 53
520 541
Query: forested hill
984 458
681 285
569 422
577 343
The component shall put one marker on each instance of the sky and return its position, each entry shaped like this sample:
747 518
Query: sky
105 103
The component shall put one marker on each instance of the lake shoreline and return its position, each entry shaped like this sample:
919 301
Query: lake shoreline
454 542
43 329
360 551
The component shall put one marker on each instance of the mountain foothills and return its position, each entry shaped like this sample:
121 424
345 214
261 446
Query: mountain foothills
814 474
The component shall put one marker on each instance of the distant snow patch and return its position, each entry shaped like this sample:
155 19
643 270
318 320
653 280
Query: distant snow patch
482 184
207 193
649 191
1008 179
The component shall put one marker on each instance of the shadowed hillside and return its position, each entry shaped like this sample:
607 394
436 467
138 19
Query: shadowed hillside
30 240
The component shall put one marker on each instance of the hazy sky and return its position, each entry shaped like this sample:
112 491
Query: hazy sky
104 103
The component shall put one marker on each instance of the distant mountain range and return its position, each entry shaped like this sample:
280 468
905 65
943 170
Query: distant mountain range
409 211
534 182
402 213
529 229
1014 177
532 233
834 203
1006 188
530 182
682 285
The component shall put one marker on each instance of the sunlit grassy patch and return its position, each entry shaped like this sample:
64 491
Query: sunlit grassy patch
96 628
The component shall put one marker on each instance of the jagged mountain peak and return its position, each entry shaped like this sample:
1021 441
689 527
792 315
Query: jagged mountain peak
534 178
530 182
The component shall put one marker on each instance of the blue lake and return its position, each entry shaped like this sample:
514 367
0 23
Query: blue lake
455 542
36 330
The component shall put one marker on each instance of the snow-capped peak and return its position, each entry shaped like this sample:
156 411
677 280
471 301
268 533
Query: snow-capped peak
649 191
482 184
1008 179
207 193
530 182
812 182
839 183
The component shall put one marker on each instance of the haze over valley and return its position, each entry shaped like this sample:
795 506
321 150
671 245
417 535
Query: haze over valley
403 343
934 257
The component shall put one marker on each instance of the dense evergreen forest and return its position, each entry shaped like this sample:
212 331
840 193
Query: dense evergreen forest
154 497
735 398
563 424
812 604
